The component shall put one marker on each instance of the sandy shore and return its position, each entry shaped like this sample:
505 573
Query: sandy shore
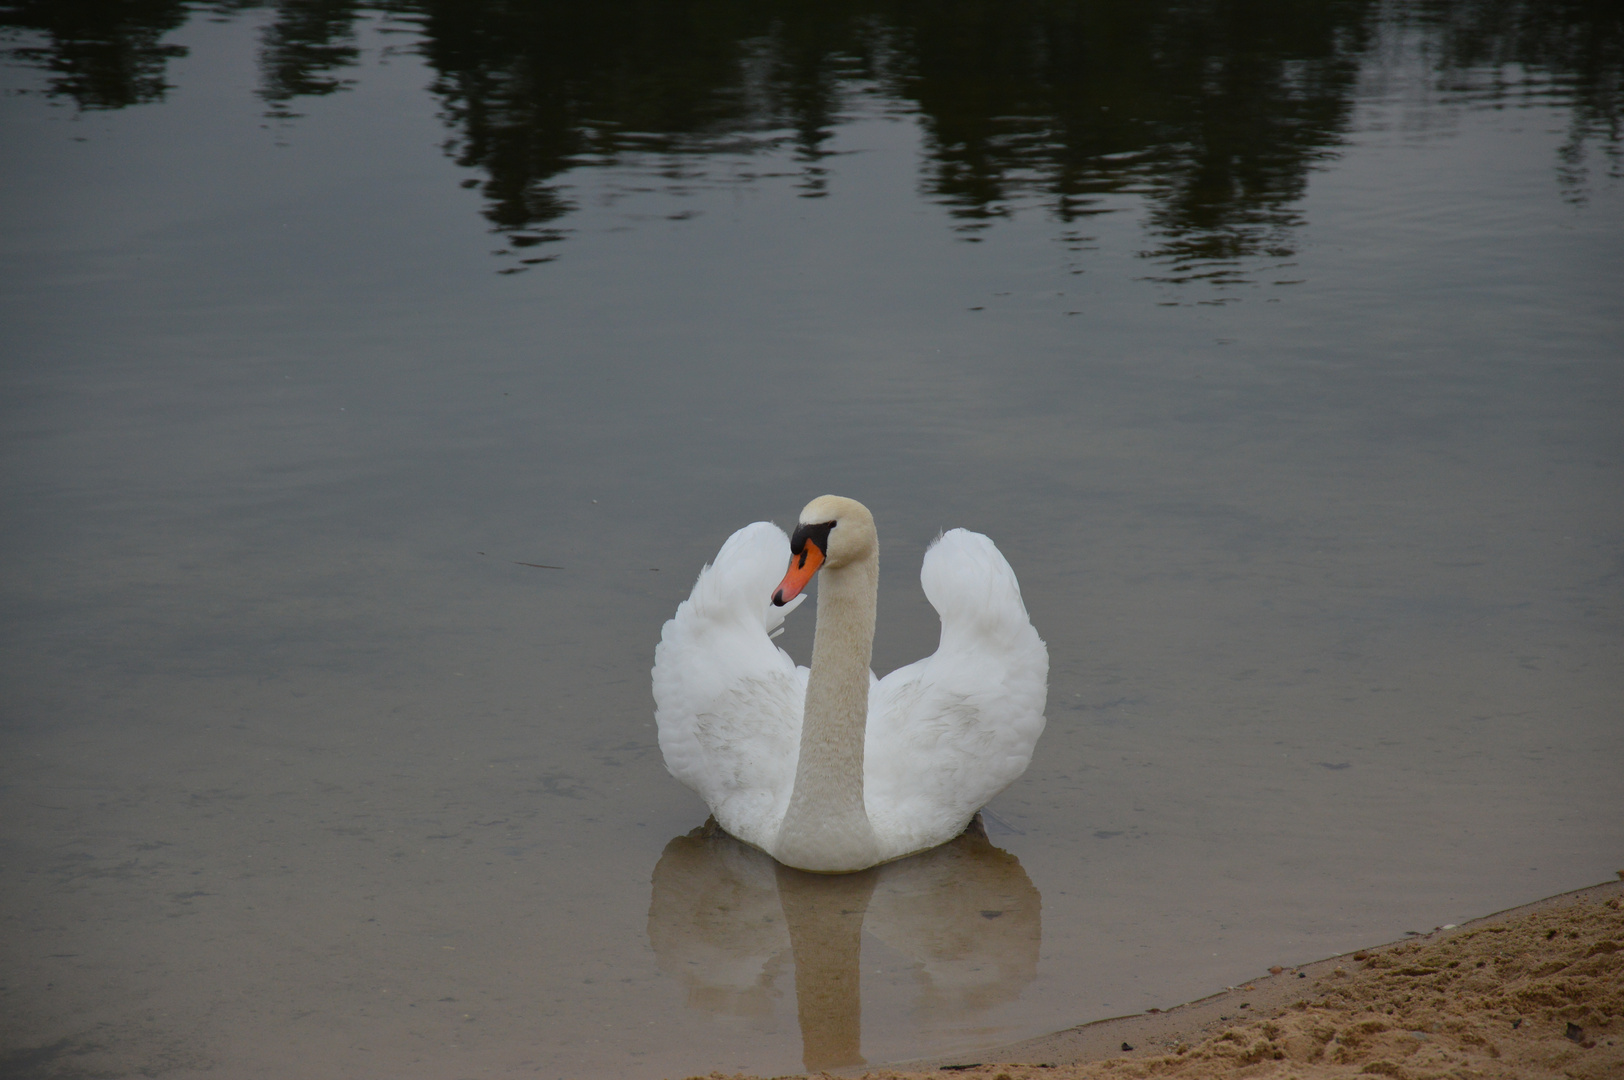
1534 992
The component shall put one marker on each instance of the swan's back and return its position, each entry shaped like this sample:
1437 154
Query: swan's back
949 732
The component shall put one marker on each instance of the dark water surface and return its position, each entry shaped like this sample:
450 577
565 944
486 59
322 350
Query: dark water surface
1278 345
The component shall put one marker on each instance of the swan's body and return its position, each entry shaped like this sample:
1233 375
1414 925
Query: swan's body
880 768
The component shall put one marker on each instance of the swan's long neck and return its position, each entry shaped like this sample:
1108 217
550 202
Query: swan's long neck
826 827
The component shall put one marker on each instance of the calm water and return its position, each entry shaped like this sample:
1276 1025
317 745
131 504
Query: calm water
1278 345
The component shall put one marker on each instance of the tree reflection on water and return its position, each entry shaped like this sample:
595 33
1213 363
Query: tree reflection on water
1214 113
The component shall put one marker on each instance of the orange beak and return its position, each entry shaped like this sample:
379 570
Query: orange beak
801 569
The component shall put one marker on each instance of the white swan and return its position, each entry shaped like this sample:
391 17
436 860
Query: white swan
880 768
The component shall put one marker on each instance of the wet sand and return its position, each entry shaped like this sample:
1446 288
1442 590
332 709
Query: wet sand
1533 992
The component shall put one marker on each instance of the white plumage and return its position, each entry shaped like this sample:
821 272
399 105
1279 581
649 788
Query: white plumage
943 735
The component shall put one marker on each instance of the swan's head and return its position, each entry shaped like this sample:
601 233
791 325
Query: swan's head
833 532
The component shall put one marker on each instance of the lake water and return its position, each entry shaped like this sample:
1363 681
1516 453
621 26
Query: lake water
377 377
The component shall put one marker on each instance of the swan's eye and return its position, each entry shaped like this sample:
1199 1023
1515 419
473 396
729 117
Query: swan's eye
818 534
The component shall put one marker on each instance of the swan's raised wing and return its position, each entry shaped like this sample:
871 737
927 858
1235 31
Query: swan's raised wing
728 701
949 732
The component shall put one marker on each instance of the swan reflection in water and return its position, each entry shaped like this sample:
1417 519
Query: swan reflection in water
725 920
